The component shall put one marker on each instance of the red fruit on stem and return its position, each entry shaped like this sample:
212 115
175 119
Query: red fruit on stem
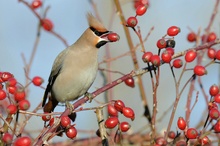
155 60
119 105
171 134
141 10
124 126
217 55
140 2
130 82
11 89
71 132
147 56
161 43
181 123
214 113
190 55
166 57
22 141
37 81
191 37
111 122
12 109
211 53
46 117
217 98
200 70
19 95
128 112
47 24
212 105
36 4
113 37
2 94
6 75
11 82
217 126
132 22
24 104
204 141
7 138
51 121
213 90
112 110
211 37
65 121
177 63
170 50
173 30
191 133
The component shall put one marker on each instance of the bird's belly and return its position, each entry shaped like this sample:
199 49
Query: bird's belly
71 84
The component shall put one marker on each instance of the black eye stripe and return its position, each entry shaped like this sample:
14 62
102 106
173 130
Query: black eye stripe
98 33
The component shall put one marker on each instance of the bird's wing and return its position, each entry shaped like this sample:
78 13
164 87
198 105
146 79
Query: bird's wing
57 66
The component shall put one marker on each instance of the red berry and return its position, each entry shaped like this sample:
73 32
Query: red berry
47 24
124 126
214 113
22 141
204 141
217 126
11 82
19 95
12 109
11 89
2 94
190 55
119 105
170 50
177 63
213 90
217 55
128 112
111 122
37 81
141 10
211 37
65 121
181 143
51 122
6 75
217 98
200 70
191 133
132 22
112 111
24 104
211 53
212 105
191 37
46 117
171 134
155 60
161 43
181 123
161 141
71 132
166 57
130 82
173 30
113 37
140 2
147 56
7 138
36 4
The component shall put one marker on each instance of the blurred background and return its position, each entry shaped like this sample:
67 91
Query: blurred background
18 31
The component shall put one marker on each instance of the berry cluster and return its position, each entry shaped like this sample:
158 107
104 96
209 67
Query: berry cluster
113 121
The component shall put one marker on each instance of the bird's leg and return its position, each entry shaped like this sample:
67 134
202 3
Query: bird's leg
90 96
69 106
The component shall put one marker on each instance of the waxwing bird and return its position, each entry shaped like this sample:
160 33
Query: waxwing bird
75 68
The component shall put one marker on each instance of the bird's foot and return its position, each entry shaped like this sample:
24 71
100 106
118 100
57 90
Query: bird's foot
69 106
90 96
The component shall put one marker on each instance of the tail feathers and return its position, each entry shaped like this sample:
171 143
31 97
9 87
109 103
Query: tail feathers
50 105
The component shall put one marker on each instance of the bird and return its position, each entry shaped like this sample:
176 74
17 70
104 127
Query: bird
75 68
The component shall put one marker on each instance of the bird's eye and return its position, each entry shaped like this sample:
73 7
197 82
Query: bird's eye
98 33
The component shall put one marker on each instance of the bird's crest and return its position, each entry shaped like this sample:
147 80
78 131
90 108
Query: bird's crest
93 22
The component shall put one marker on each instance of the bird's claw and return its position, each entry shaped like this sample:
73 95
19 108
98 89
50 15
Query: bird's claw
69 106
90 96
